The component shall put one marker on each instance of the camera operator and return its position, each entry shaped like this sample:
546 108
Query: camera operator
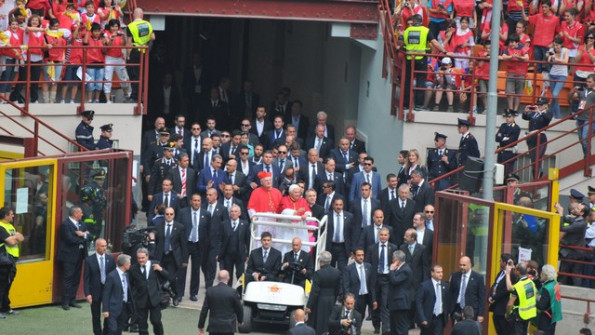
297 264
447 78
345 319
539 117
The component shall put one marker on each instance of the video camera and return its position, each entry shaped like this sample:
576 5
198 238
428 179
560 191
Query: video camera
135 238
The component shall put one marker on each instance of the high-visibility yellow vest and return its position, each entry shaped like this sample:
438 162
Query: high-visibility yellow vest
526 292
14 249
141 32
416 40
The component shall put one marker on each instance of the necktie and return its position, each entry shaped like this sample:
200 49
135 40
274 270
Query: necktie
330 177
327 203
318 144
195 151
345 157
206 162
228 205
402 204
411 249
183 183
296 163
143 269
438 303
311 181
232 178
393 195
179 131
266 256
295 256
211 209
346 314
234 225
124 288
337 233
281 164
102 268
368 177
166 199
194 228
365 216
268 168
362 281
463 289
168 238
381 259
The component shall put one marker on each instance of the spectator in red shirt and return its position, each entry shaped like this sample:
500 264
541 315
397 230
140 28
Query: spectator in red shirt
517 66
503 34
545 24
463 41
482 75
521 31
95 58
52 72
74 57
572 32
465 8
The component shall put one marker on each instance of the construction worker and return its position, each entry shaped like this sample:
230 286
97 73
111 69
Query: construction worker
139 33
521 307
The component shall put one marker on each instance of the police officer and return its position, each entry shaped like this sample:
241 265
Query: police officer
440 162
155 151
84 131
508 133
521 307
105 141
468 144
93 202
9 239
139 33
539 117
415 40
161 168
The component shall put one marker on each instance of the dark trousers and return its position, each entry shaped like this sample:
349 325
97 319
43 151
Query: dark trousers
231 261
418 96
504 156
540 53
134 71
116 324
532 143
96 318
72 279
35 76
520 327
399 322
194 253
435 326
339 256
209 267
361 301
7 274
155 317
502 326
169 263
382 314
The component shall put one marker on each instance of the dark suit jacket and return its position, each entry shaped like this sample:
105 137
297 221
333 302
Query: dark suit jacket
302 127
268 125
401 289
321 200
157 102
225 147
179 239
113 294
358 146
174 202
253 177
220 112
148 142
351 281
225 309
356 209
325 147
418 261
243 231
92 277
474 294
340 163
304 260
466 327
270 269
428 243
373 257
425 300
242 107
219 215
338 313
347 231
317 211
69 242
235 201
205 176
145 290
423 196
500 295
176 177
270 138
301 329
368 236
356 185
400 219
204 225
305 170
384 196
322 177
330 131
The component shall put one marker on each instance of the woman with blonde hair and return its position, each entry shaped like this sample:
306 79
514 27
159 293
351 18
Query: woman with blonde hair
414 162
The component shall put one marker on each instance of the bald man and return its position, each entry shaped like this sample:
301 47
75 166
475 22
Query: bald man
467 288
300 327
224 305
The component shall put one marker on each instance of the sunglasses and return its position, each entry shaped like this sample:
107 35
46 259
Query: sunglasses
195 128
282 152
224 135
431 212
169 213
368 164
246 125
244 153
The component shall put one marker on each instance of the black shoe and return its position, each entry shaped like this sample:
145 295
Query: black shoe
133 328
176 301
193 298
65 307
369 318
376 330
75 305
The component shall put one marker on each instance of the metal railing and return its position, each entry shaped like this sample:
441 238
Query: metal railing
587 315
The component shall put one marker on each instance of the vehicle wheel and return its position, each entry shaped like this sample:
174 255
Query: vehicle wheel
246 327
291 320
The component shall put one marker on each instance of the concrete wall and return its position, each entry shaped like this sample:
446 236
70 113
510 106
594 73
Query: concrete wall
574 310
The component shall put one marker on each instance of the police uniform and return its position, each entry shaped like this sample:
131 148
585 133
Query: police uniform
508 133
161 169
94 201
416 38
155 151
518 192
468 145
104 142
437 168
537 121
140 31
526 309
84 131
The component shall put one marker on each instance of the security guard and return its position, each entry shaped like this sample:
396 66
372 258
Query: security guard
9 239
508 133
415 40
468 145
521 307
539 117
512 180
105 141
94 201
155 150
161 168
440 162
139 33
84 131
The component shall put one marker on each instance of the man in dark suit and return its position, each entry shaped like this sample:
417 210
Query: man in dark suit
329 194
281 161
277 133
171 248
467 288
357 280
237 179
300 328
379 256
467 326
363 211
344 157
299 120
166 197
193 145
228 200
260 125
247 101
345 319
390 192
440 162
320 142
329 130
425 236
309 172
72 249
183 179
116 297
166 92
370 234
368 175
326 288
329 174
197 223
214 107
264 263
231 149
224 307
235 238
297 264
97 267
498 297
268 166
212 176
354 144
161 166
423 194
339 241
145 276
432 304
218 215
400 213
204 156
399 302
415 254
195 83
